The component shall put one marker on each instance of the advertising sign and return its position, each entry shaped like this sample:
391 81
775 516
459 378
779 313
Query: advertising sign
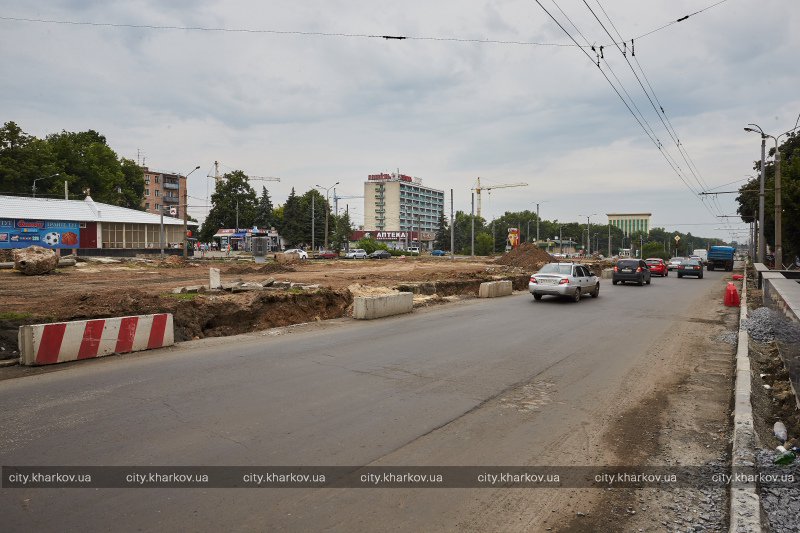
21 233
513 237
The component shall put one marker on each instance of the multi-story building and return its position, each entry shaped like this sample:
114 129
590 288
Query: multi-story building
630 222
162 189
396 202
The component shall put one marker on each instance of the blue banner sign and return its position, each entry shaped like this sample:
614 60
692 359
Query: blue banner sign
21 233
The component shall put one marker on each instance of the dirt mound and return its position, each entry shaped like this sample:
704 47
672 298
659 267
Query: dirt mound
268 268
357 289
527 255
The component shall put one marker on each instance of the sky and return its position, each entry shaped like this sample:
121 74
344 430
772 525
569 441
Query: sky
306 95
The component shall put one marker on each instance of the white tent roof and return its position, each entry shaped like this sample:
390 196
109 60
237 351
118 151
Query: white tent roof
76 211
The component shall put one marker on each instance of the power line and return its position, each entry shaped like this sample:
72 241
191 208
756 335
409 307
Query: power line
300 33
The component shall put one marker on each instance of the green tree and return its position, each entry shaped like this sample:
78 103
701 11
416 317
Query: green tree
264 216
233 190
370 245
483 243
320 207
292 225
342 230
442 240
23 158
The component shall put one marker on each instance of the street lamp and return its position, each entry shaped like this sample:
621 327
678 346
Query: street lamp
588 236
778 252
761 242
327 209
42 178
186 210
537 220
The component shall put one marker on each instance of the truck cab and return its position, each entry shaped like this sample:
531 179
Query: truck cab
721 257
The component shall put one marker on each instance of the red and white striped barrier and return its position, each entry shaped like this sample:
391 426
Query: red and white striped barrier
45 344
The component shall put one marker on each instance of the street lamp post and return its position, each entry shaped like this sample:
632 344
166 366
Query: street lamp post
42 178
537 221
762 245
778 252
588 234
186 210
327 209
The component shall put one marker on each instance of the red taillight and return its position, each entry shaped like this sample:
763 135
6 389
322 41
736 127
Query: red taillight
563 282
533 280
616 269
638 269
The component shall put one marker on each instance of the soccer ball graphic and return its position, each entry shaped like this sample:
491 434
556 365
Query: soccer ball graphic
52 239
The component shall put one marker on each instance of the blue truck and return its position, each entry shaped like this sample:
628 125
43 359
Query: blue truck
721 257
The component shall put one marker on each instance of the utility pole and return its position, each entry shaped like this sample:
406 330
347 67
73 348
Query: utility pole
762 242
537 223
609 239
452 229
161 211
778 239
186 210
472 216
561 239
312 223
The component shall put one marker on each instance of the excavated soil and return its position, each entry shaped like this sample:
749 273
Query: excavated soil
527 256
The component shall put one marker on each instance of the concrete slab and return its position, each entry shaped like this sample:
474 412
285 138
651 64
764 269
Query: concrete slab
495 289
370 307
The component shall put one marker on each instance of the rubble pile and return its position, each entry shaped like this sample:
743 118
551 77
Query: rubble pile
527 256
35 260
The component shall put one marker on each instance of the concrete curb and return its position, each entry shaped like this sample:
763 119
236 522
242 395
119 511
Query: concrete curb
745 506
369 307
495 289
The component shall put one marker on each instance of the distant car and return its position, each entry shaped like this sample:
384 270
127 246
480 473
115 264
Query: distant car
327 254
413 250
564 279
302 253
631 270
691 267
674 262
356 253
438 253
379 254
657 266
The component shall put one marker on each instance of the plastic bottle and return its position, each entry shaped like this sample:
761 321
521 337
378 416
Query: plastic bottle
785 458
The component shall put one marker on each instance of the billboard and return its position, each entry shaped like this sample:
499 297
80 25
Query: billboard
513 237
21 233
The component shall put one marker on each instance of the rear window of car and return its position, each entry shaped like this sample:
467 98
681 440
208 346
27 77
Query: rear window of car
653 262
555 268
628 263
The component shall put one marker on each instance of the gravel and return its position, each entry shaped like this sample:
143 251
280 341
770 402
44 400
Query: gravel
765 325
728 337
780 504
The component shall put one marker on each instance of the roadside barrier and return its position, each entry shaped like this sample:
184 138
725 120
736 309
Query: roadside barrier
494 289
369 307
45 344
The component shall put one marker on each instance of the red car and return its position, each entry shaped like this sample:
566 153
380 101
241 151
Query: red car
657 267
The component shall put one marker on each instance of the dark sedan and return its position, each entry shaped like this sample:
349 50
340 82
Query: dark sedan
631 270
379 254
691 267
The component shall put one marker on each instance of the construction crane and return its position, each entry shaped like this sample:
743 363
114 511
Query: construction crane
336 199
218 178
478 190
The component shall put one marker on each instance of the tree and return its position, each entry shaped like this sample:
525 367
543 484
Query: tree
292 226
369 245
442 240
483 243
342 230
320 208
233 190
23 158
264 217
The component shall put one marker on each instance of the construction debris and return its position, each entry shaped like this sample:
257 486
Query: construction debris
35 260
526 256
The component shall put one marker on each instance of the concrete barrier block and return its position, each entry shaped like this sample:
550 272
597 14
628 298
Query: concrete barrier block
369 307
214 281
494 289
607 273
45 344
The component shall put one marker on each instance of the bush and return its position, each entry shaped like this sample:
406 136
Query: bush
370 245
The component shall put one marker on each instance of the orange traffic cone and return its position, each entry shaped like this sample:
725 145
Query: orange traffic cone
731 295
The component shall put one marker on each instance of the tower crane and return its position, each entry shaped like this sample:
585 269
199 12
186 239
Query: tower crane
478 190
218 178
336 199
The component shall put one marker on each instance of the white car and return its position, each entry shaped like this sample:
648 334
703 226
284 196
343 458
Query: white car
413 250
564 279
356 253
302 253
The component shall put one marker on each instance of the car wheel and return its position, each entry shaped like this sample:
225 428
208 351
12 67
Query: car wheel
537 297
666 273
614 281
640 282
596 291
577 296
679 275
710 267
648 281
700 276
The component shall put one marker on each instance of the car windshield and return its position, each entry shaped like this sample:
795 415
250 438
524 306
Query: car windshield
555 268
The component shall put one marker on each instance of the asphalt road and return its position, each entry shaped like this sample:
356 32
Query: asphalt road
506 381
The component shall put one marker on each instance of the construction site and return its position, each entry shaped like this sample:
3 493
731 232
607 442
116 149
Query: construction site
253 296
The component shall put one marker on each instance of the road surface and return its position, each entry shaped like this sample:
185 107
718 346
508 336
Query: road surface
505 381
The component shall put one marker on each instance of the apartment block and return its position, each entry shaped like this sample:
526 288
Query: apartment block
396 202
163 190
